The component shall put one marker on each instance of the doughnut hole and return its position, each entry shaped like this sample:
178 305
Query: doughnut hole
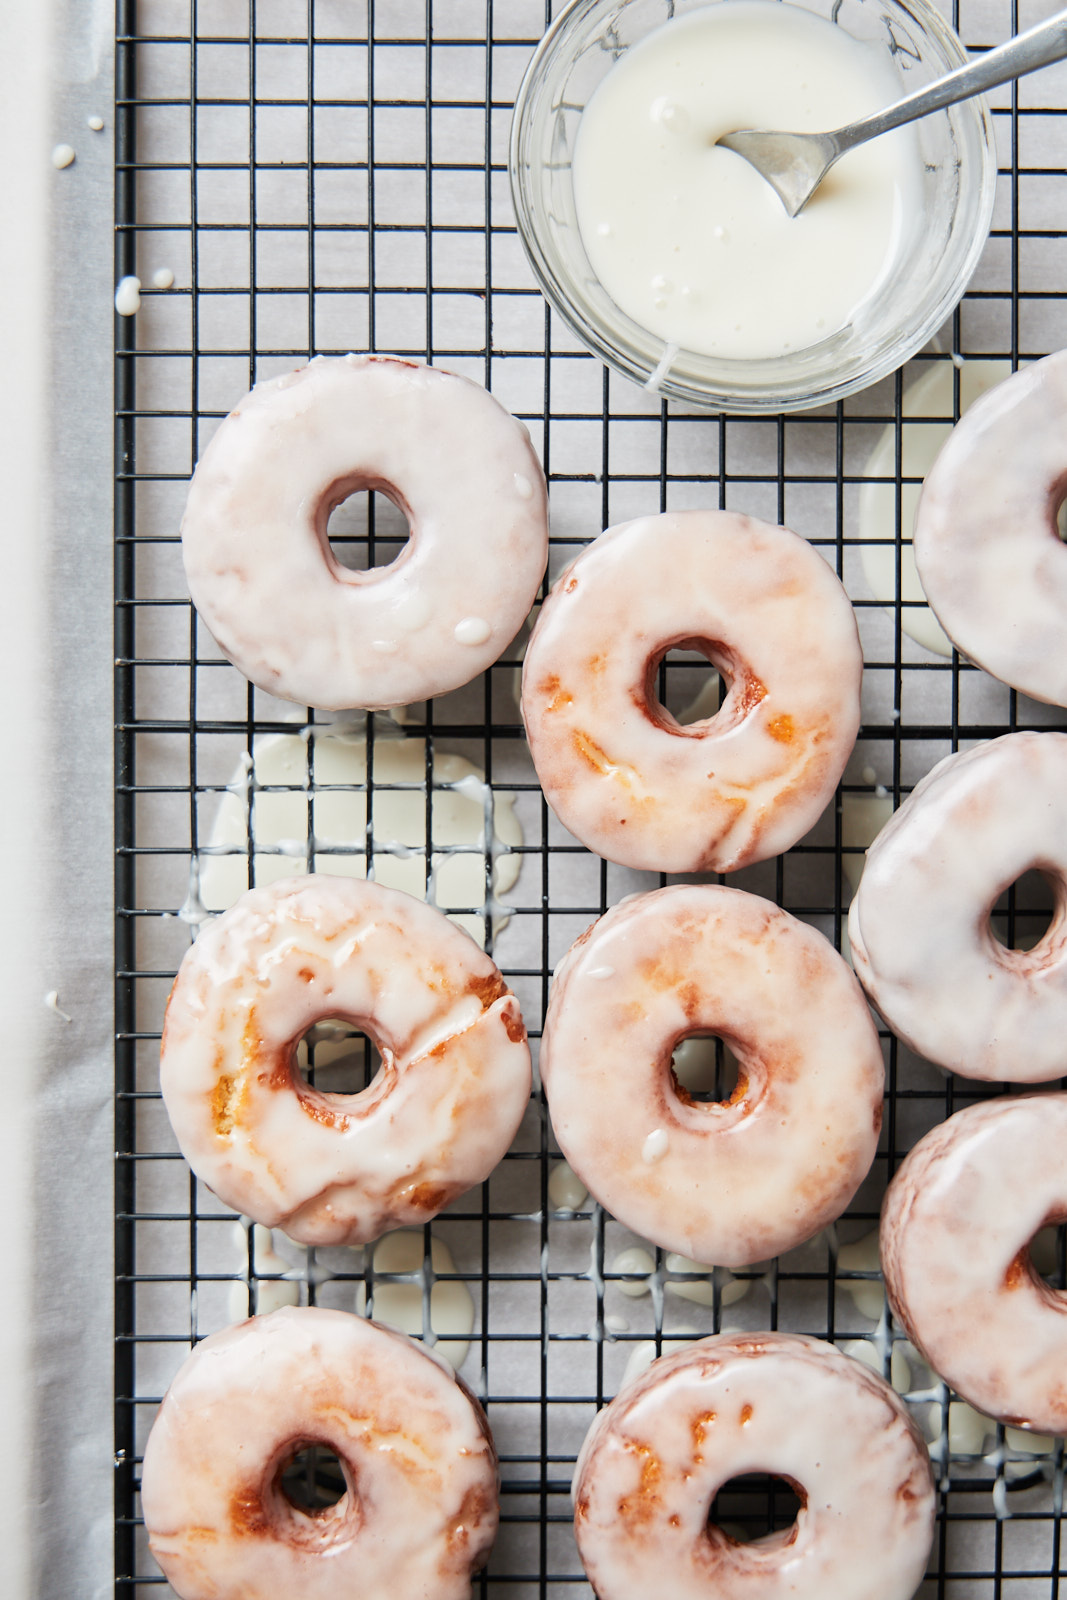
1047 1254
689 688
693 683
706 1071
336 1056
759 1508
1026 911
313 1479
367 529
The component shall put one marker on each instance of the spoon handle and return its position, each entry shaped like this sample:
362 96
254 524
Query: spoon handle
1025 53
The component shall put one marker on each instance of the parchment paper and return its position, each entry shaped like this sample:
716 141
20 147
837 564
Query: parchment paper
56 1146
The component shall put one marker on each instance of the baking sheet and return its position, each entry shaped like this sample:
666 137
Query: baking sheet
413 251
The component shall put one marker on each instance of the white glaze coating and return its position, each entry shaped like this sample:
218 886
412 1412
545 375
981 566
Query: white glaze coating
330 1168
956 1222
985 540
761 1402
421 1508
919 926
739 1181
257 557
128 296
617 769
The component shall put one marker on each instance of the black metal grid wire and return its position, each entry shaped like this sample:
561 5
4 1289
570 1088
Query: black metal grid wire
380 220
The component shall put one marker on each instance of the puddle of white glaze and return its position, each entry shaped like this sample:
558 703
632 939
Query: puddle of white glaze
930 395
566 1191
644 1352
867 1351
260 1295
862 1256
400 1305
697 1283
272 786
863 816
634 1259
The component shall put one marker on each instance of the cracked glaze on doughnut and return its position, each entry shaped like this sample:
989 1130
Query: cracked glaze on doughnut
919 927
420 1511
336 1168
778 1403
739 1181
956 1223
618 770
259 564
986 545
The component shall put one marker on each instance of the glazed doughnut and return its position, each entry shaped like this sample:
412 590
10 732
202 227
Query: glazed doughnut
956 1223
259 564
617 769
986 546
339 1168
745 1179
420 1511
919 927
777 1403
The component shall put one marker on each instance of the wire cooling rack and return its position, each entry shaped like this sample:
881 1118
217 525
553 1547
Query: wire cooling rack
326 175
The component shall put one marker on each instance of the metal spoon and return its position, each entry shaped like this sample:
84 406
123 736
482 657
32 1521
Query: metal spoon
794 164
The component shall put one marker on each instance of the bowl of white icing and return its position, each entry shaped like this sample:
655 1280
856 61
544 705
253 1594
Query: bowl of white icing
674 261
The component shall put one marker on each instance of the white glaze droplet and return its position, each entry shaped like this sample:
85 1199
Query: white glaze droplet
661 369
96 123
634 1259
163 278
128 296
615 1324
655 1146
601 972
472 630
523 487
565 1189
869 776
51 1000
62 155
1000 1500
670 115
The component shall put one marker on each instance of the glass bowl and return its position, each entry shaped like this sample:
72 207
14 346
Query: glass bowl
958 182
